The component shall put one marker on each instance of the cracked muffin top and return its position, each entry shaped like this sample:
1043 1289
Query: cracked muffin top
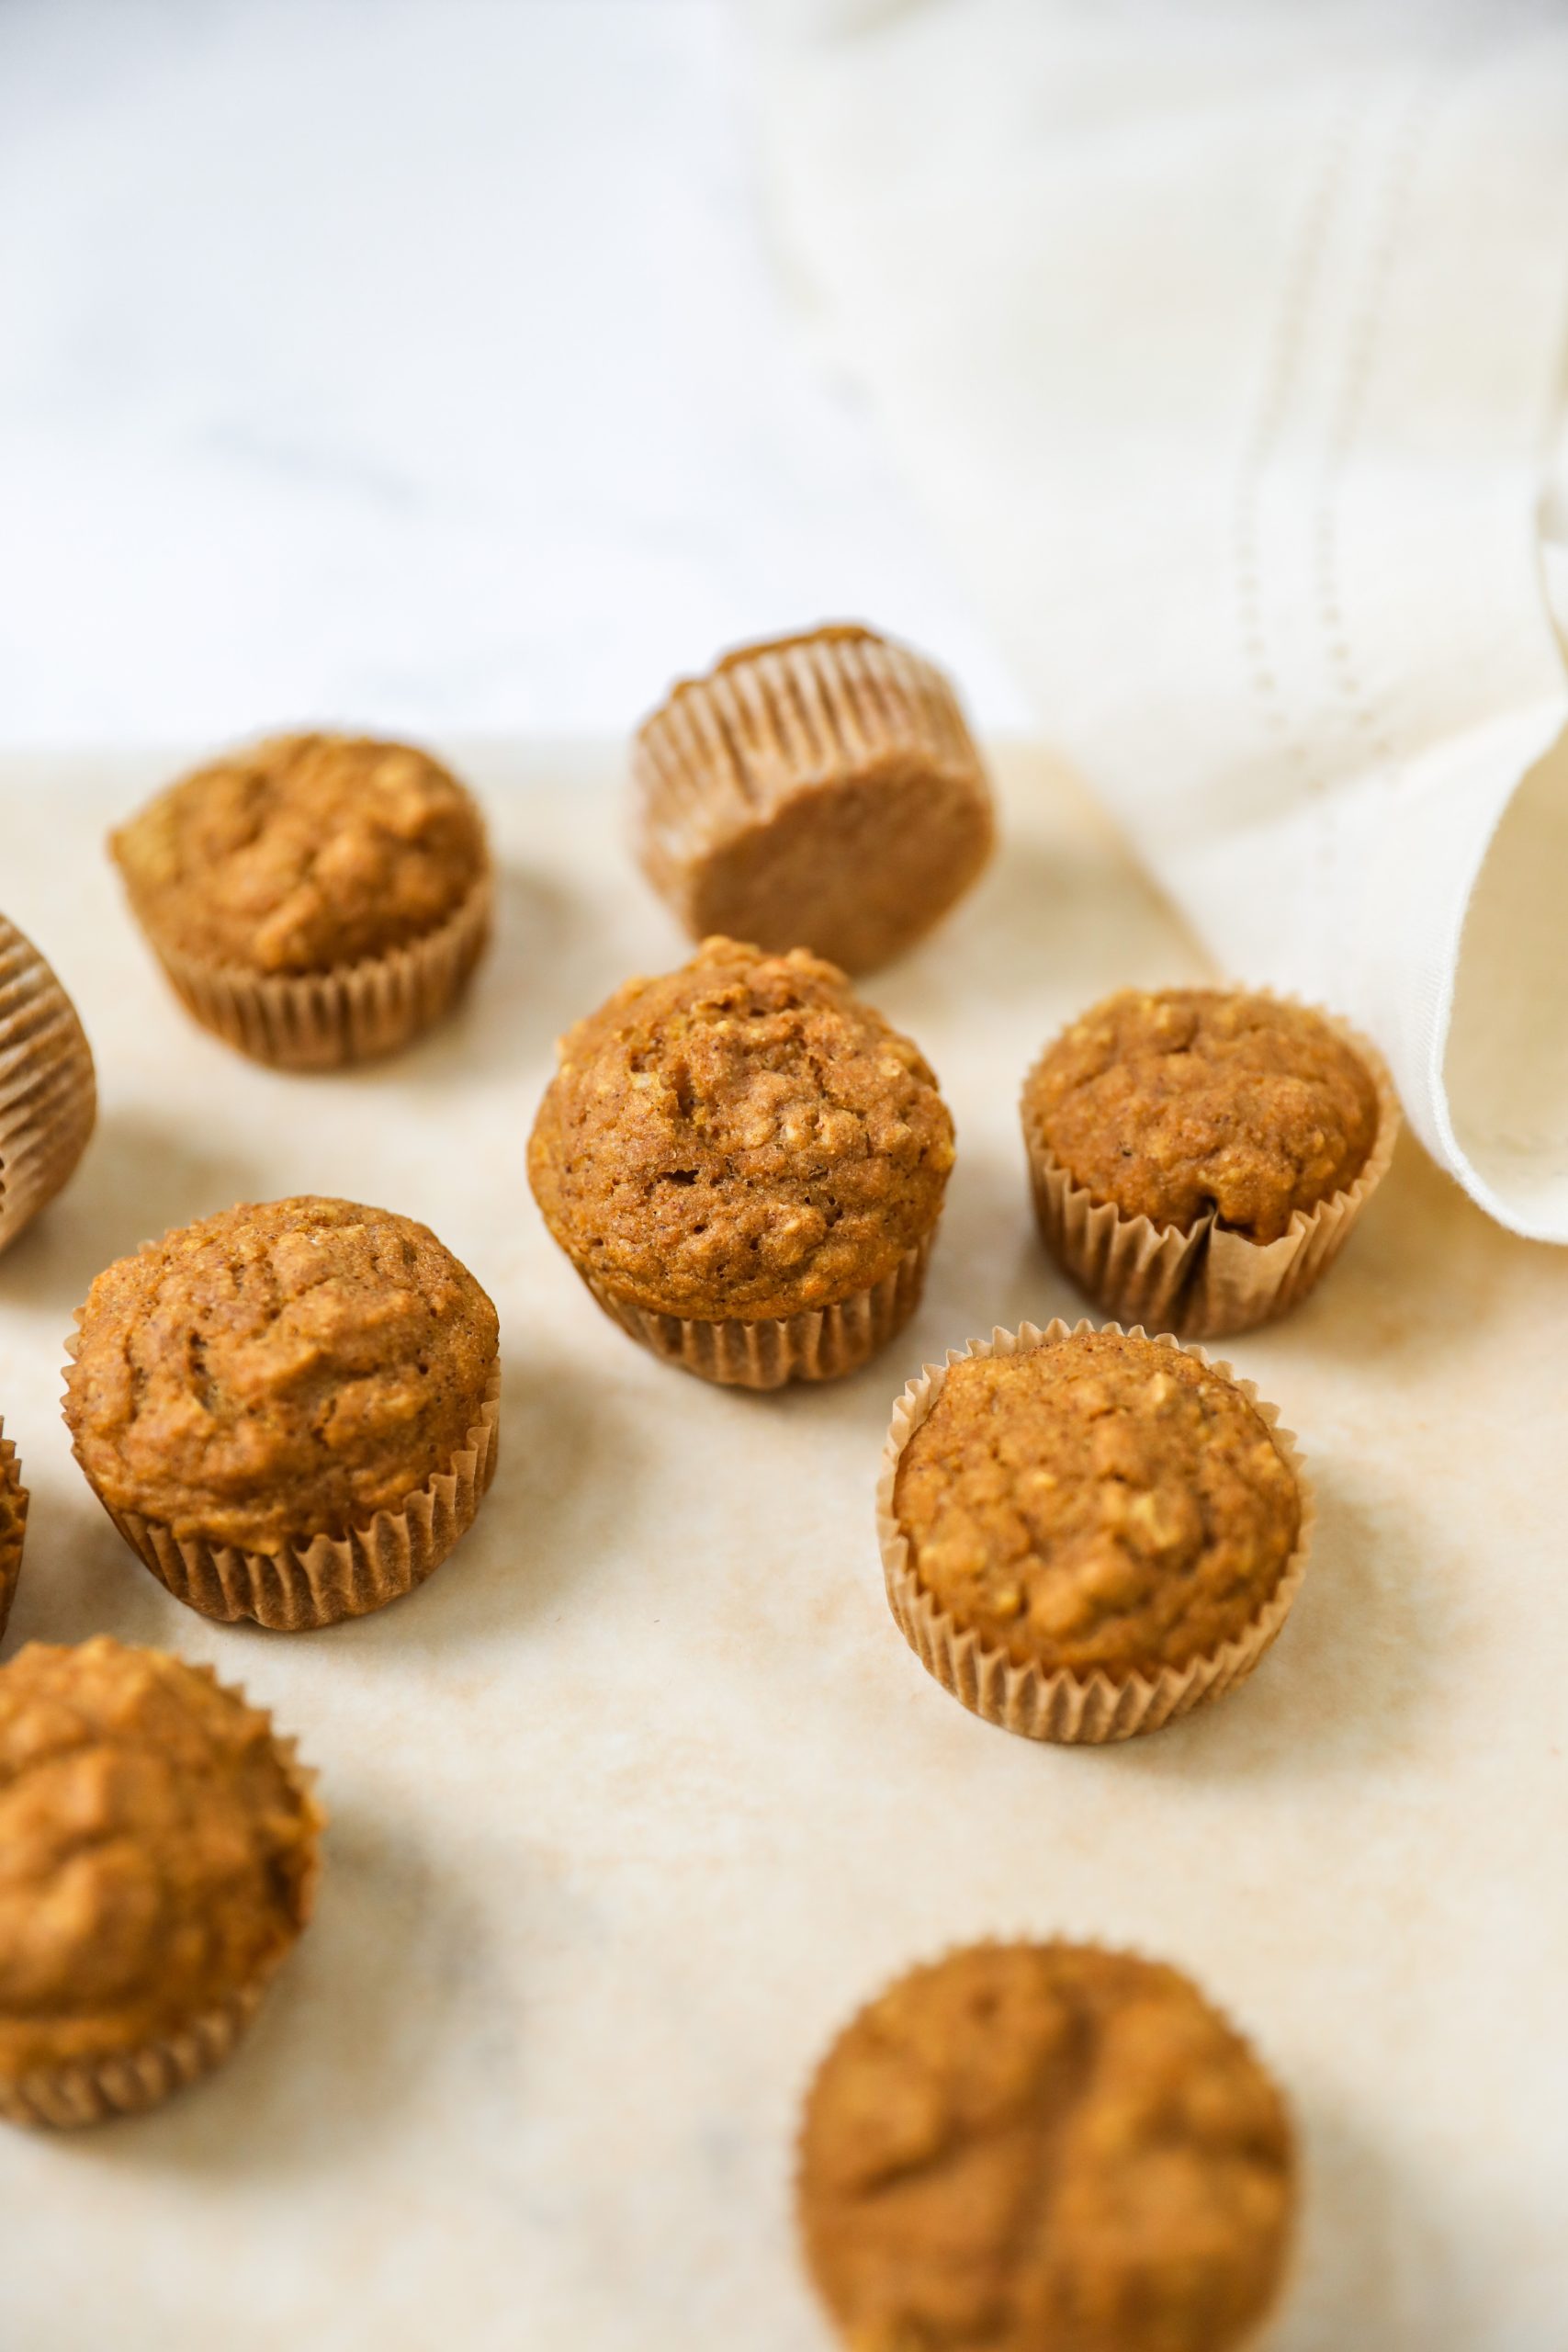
1192 1103
1097 1501
158 1850
303 853
1033 2147
741 1138
278 1372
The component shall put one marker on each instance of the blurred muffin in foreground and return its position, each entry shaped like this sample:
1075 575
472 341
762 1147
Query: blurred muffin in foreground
1044 2148
288 1410
314 899
1200 1156
746 1165
158 1860
816 791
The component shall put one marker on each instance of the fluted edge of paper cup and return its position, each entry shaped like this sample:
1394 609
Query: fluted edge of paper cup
1258 2332
316 1021
13 1527
301 1587
49 1097
1202 1282
819 1343
1069 1709
729 750
131 2082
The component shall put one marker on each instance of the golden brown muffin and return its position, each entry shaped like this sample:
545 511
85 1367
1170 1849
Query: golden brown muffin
741 1140
1045 2148
1196 1102
315 898
1101 1502
158 1859
303 853
49 1099
815 791
13 1524
278 1375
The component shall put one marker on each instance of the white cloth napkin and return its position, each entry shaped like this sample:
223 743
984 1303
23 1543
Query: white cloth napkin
1225 341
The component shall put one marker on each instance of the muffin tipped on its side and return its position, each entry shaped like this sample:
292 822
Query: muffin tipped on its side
158 1860
1033 2147
816 791
315 898
746 1165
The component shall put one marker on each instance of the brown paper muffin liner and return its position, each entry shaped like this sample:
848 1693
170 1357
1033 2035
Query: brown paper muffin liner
322 1020
1075 1709
48 1093
302 1587
768 730
821 1343
13 1524
1204 1281
95 2090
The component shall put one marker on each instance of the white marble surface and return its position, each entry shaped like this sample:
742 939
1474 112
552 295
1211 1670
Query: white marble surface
414 362
643 1792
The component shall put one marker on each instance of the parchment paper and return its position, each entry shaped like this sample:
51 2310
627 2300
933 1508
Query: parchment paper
643 1793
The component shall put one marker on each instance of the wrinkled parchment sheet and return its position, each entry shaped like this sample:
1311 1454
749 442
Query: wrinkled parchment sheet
643 1792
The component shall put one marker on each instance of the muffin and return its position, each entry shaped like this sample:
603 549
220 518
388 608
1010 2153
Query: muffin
1088 1533
158 1860
289 1411
1045 2147
1198 1156
746 1166
818 791
314 899
13 1524
48 1093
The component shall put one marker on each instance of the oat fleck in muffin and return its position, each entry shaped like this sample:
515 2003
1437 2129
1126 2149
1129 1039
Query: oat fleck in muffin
252 1394
814 791
1104 1502
1045 2148
158 1859
746 1165
314 897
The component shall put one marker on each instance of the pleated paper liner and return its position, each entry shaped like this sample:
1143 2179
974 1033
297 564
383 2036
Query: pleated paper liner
323 1020
1204 1281
821 1343
816 791
13 1524
129 2082
304 1586
1075 1709
1259 2331
48 1093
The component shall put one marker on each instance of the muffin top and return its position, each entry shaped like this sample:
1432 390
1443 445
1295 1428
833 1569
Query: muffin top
1097 1501
740 1137
1033 2146
157 1850
1192 1103
303 853
278 1372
